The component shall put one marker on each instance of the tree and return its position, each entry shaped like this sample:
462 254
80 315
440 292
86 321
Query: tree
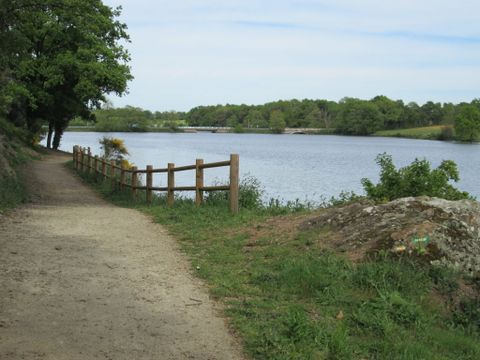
232 121
358 117
314 118
415 179
431 113
71 58
391 111
467 124
128 118
255 119
277 122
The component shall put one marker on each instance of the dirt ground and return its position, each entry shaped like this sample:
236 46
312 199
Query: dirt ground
83 279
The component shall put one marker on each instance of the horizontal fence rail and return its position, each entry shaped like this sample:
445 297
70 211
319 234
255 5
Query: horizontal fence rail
125 178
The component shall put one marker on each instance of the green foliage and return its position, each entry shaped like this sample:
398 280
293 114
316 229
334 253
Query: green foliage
467 314
255 119
447 133
12 192
435 132
415 179
467 124
289 299
12 154
344 198
171 126
277 122
358 117
65 55
250 194
113 149
350 116
124 119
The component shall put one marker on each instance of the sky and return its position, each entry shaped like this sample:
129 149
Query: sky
187 53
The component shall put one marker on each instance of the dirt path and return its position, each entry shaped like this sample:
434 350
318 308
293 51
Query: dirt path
83 279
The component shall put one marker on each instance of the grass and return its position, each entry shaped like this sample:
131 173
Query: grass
12 192
426 133
290 299
12 155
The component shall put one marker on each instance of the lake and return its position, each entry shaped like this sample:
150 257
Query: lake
288 166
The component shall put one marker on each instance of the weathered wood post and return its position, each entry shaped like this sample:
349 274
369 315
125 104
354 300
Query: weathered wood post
171 184
82 159
234 183
89 161
122 177
198 182
104 169
75 157
112 173
96 165
149 184
134 182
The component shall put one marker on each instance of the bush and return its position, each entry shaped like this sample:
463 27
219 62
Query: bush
250 194
446 134
415 179
113 148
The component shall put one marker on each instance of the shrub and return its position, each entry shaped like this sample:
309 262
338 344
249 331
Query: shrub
415 179
447 133
113 148
250 194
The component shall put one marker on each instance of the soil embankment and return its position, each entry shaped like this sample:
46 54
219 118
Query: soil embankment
83 279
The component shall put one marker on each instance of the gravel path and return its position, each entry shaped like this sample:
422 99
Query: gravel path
83 279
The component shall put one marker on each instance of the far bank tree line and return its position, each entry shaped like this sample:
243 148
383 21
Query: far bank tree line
349 116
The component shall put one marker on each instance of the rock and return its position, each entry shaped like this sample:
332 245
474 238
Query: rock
452 229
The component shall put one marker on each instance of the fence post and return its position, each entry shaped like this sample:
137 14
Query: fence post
134 182
198 182
149 183
89 161
122 177
96 166
234 190
112 173
77 158
82 158
104 169
171 184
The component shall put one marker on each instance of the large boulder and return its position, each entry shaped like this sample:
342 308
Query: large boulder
439 230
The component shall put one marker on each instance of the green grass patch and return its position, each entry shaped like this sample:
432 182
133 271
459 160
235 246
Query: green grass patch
290 299
426 133
12 192
13 153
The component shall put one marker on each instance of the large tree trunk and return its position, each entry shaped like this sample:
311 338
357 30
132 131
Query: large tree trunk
49 136
58 136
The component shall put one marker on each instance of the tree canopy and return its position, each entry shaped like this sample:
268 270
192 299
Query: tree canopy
467 123
58 60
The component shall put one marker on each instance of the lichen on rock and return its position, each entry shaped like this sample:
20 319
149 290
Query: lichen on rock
441 231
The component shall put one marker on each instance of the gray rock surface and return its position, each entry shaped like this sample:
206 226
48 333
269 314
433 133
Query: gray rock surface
442 231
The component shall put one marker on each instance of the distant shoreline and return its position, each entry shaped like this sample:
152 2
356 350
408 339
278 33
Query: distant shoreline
420 133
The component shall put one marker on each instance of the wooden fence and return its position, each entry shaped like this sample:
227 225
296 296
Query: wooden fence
85 162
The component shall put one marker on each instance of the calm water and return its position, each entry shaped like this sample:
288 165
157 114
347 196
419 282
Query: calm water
288 166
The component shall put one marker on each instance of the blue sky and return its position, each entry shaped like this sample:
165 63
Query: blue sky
187 53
